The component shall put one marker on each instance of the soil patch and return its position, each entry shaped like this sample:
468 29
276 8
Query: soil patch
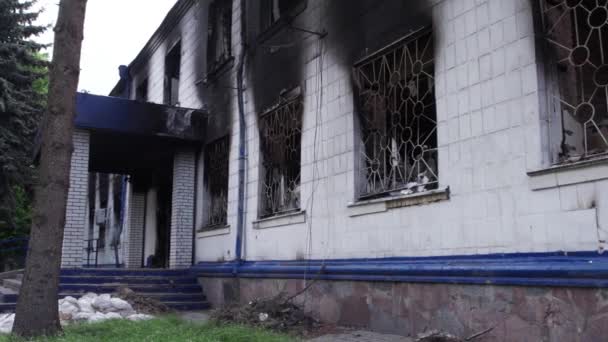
143 304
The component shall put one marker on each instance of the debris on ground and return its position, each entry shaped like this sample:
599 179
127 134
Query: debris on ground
89 308
141 303
278 314
437 336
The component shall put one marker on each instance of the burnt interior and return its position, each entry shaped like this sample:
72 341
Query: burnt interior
215 178
141 92
172 72
219 34
576 54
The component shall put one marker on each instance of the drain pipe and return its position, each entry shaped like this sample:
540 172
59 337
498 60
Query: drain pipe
240 225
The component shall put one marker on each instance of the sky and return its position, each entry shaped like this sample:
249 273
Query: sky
114 32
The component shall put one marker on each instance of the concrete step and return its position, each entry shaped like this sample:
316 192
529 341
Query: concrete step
179 306
139 288
7 295
7 307
161 297
128 280
118 272
13 284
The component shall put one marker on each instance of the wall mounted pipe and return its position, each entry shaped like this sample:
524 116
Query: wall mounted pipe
240 225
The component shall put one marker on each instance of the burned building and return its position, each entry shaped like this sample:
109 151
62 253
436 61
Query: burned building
437 163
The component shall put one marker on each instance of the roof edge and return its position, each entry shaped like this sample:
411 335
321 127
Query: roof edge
175 14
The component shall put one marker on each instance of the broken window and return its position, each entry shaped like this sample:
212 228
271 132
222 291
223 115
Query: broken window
172 71
216 182
577 50
280 139
219 34
274 11
141 93
397 118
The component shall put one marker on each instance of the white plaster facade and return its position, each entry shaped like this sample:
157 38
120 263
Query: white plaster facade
504 194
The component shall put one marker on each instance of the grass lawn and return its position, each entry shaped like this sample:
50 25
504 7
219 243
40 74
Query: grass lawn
161 330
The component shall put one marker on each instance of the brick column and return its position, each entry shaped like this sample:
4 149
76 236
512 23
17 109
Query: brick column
182 209
73 252
135 236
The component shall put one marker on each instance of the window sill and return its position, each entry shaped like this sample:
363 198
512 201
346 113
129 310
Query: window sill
379 205
205 233
281 220
568 174
217 71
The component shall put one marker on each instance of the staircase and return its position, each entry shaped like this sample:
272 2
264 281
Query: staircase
175 288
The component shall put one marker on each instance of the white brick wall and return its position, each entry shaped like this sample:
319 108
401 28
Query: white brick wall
135 233
73 252
489 133
182 209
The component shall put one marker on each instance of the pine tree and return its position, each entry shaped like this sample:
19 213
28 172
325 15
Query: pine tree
22 74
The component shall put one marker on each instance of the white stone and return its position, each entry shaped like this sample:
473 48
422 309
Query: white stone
113 315
84 303
102 304
105 296
71 300
82 316
6 323
67 308
121 305
90 295
97 317
139 317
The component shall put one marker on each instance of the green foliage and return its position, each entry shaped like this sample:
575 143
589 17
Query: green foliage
162 329
23 86
21 214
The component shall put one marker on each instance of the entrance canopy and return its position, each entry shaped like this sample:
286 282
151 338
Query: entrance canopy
133 137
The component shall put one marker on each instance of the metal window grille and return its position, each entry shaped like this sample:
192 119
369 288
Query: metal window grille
576 35
280 139
397 116
216 180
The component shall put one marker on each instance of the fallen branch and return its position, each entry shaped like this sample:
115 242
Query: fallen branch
479 334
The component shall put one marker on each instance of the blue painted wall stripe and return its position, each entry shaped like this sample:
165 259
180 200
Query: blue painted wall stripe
579 269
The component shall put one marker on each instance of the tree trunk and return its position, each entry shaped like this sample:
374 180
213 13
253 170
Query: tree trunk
37 312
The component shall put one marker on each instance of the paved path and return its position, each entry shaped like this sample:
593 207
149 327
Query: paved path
361 336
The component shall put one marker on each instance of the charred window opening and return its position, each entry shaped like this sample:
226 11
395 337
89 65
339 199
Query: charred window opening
280 11
397 117
141 93
219 34
577 49
172 71
216 182
104 189
280 140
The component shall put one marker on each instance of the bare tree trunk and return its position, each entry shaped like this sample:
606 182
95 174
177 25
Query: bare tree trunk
37 312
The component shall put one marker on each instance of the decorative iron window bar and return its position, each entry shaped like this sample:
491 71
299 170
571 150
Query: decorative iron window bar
576 37
397 117
280 144
216 182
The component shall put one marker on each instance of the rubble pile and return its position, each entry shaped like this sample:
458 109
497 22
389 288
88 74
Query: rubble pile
142 303
275 314
88 308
